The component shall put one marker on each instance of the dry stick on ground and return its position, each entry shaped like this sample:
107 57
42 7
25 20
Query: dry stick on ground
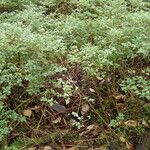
100 100
104 121
50 138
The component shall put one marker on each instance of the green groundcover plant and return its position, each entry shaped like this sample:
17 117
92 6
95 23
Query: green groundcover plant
37 38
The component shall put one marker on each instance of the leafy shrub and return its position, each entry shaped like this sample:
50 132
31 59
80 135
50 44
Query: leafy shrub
29 55
117 121
138 85
26 53
7 117
42 39
105 42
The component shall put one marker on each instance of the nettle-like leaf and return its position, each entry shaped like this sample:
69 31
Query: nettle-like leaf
32 53
6 117
138 85
38 36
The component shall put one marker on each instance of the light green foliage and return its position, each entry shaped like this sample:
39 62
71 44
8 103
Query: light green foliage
42 40
107 34
117 121
103 36
78 122
7 117
15 2
67 88
50 101
138 85
29 51
50 95
10 148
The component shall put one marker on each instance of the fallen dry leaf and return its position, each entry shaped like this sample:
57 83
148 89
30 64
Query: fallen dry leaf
92 127
121 106
58 120
118 97
93 130
72 148
130 146
27 112
122 139
131 123
85 109
35 107
131 72
99 78
145 123
32 148
92 90
47 148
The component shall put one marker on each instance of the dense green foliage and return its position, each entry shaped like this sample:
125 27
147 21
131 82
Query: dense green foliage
42 42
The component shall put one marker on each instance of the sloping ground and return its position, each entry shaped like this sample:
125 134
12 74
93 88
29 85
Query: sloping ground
74 74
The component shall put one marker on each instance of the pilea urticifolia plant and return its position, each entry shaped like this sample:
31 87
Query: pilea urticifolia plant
74 72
